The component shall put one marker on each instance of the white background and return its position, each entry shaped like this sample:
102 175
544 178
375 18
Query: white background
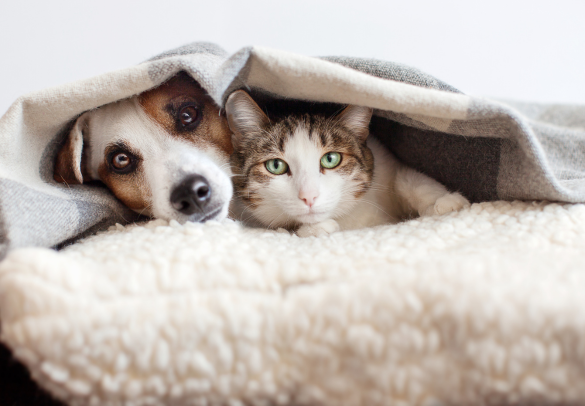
517 49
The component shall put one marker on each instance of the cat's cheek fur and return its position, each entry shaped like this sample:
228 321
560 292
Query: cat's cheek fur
336 201
275 196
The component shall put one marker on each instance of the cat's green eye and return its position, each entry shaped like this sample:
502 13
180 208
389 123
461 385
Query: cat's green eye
276 166
330 160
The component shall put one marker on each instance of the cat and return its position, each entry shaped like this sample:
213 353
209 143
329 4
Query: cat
320 174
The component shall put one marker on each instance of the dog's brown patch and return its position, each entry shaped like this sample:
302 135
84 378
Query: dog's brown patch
70 167
161 104
66 169
132 189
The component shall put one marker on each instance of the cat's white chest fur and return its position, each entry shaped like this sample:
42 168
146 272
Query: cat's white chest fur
378 205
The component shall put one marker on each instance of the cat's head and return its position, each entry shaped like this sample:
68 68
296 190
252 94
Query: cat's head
298 169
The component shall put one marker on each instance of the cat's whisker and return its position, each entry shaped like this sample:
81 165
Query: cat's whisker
389 191
378 207
379 186
247 218
352 188
272 222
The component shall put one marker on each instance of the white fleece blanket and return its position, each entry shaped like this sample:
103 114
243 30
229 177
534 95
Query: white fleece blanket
476 307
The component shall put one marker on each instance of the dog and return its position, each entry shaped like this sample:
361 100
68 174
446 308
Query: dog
164 153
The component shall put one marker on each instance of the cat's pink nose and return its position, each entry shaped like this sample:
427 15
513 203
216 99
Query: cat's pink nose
308 196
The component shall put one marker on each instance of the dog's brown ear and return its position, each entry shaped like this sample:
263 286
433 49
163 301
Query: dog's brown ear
357 119
68 166
244 116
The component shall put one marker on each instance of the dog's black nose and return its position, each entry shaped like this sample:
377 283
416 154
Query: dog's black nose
191 195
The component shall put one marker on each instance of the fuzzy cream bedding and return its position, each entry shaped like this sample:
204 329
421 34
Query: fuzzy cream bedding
483 306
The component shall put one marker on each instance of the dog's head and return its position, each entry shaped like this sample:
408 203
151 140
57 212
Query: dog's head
163 153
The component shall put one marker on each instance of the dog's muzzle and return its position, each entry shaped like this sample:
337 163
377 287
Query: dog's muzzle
191 195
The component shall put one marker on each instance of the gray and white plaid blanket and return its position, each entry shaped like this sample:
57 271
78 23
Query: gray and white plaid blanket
486 149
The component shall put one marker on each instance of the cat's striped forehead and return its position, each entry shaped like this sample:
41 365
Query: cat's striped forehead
324 132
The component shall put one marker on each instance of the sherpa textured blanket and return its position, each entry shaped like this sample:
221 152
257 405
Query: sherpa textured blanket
480 306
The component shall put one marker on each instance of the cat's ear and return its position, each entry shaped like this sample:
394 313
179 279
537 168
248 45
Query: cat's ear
244 116
357 119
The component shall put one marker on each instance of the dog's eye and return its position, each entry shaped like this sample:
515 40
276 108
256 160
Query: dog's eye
188 115
122 162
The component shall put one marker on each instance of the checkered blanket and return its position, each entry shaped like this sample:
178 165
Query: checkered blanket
484 148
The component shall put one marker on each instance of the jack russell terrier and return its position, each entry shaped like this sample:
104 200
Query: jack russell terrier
164 153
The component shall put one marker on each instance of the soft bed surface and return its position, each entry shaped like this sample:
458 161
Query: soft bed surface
483 306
